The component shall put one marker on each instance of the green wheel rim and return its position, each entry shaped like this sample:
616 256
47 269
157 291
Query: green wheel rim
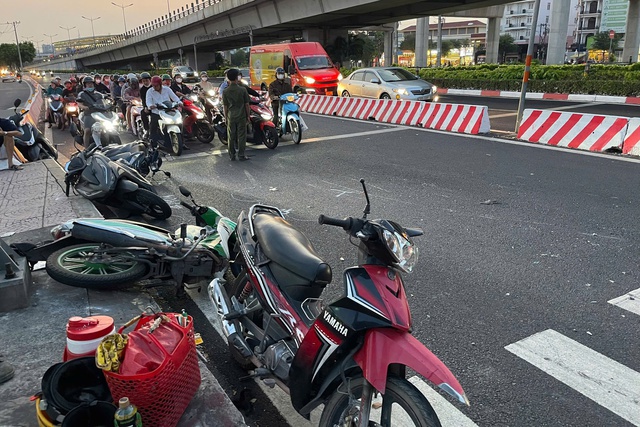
84 261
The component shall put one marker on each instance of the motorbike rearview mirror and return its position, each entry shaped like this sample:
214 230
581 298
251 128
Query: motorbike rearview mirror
184 191
367 209
17 102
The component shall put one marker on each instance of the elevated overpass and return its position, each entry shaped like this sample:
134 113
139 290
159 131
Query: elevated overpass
218 25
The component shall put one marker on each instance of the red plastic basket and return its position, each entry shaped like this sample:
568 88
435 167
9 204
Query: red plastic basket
163 394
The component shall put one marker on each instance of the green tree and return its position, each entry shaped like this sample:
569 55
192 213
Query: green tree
218 63
9 54
239 57
409 42
601 41
506 45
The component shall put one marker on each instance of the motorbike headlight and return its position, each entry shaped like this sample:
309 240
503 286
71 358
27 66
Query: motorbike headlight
108 126
266 116
199 116
402 249
310 80
434 89
340 77
210 92
401 91
291 98
72 108
193 97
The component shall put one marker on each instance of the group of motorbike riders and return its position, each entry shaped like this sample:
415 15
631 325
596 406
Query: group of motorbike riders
87 90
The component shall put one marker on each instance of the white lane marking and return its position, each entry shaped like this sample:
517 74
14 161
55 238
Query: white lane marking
447 412
353 135
603 380
629 301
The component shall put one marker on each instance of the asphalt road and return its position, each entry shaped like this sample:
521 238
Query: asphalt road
519 240
9 92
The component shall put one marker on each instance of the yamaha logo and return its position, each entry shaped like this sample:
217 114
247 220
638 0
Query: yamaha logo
335 324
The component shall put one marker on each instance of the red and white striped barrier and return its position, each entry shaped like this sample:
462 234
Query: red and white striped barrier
632 139
460 118
573 130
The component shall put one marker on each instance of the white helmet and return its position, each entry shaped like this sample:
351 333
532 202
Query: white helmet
131 76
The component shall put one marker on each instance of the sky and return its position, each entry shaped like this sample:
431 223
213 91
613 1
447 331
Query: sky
39 17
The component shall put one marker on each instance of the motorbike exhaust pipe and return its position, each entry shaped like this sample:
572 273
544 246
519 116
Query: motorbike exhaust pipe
220 301
223 306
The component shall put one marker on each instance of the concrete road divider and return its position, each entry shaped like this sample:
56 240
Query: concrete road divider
632 139
573 130
35 102
472 119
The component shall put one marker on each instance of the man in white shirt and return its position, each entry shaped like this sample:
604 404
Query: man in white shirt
157 95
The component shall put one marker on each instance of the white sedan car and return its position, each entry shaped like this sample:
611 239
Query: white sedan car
387 83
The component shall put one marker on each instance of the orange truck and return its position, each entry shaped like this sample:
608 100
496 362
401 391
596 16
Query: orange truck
307 64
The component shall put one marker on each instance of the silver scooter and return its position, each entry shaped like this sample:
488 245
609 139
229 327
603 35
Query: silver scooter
32 144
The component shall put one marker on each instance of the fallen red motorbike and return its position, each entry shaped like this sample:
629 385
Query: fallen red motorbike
342 355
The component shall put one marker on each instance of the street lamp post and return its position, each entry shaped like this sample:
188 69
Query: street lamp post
92 32
68 34
123 7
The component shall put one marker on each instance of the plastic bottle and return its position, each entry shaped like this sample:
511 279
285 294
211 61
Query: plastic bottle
127 415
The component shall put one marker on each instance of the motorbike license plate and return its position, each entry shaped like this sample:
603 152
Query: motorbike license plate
329 93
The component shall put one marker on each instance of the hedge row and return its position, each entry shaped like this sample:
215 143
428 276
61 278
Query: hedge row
590 87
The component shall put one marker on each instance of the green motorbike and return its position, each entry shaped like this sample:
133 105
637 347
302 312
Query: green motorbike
111 253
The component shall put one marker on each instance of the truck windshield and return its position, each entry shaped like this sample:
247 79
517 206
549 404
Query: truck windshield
313 62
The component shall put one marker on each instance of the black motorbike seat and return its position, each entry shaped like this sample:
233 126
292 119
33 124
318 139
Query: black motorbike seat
291 249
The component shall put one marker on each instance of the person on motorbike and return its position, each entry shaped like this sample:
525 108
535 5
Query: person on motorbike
74 84
246 86
204 83
68 91
277 88
157 95
53 89
99 85
178 87
117 93
86 99
132 92
145 78
224 84
166 80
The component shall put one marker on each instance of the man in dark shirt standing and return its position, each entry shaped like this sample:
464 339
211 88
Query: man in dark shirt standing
236 111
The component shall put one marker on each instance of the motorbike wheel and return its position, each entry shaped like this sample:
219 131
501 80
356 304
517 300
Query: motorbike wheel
176 143
222 134
270 137
153 204
204 132
402 404
296 130
79 266
59 121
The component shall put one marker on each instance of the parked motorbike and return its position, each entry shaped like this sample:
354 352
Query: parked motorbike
342 354
99 179
290 121
108 253
32 143
196 124
171 127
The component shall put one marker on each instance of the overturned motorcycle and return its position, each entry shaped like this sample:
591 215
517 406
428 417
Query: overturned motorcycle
106 253
344 354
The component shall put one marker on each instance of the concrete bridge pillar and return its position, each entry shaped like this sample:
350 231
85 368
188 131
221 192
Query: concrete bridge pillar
632 37
558 32
422 41
205 57
493 39
388 48
324 36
